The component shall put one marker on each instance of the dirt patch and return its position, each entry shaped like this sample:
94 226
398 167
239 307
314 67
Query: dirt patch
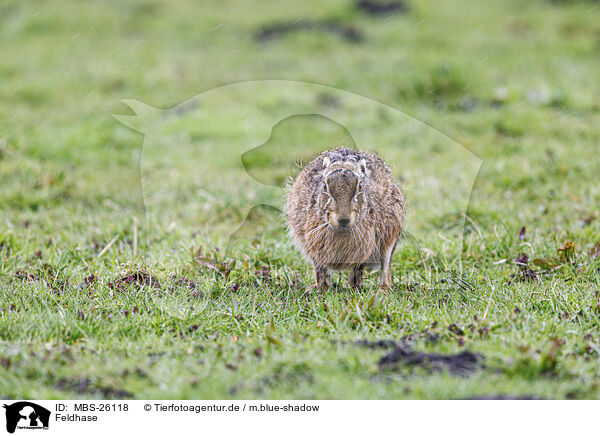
88 281
404 342
26 276
456 330
136 279
47 274
382 343
86 386
462 363
594 252
278 30
525 273
184 282
381 7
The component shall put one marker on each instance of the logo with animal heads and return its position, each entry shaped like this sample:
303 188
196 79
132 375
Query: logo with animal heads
26 415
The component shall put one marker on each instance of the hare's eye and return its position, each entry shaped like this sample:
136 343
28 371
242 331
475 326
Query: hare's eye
324 186
359 187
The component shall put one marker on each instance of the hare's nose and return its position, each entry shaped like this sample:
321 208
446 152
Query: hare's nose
343 222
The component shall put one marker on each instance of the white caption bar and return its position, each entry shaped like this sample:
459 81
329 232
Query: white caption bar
266 417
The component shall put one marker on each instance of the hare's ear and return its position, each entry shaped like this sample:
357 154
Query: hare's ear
362 167
326 162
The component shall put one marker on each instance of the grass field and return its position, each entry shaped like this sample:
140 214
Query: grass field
166 311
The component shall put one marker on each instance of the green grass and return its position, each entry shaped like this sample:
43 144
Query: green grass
516 84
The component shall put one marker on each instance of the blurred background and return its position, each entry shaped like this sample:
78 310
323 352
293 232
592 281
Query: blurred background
516 83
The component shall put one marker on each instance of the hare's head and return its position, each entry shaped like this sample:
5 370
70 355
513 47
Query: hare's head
342 199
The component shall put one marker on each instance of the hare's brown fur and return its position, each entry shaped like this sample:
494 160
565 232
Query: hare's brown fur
344 211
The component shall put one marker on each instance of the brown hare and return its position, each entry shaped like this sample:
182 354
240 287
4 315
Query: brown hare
344 211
